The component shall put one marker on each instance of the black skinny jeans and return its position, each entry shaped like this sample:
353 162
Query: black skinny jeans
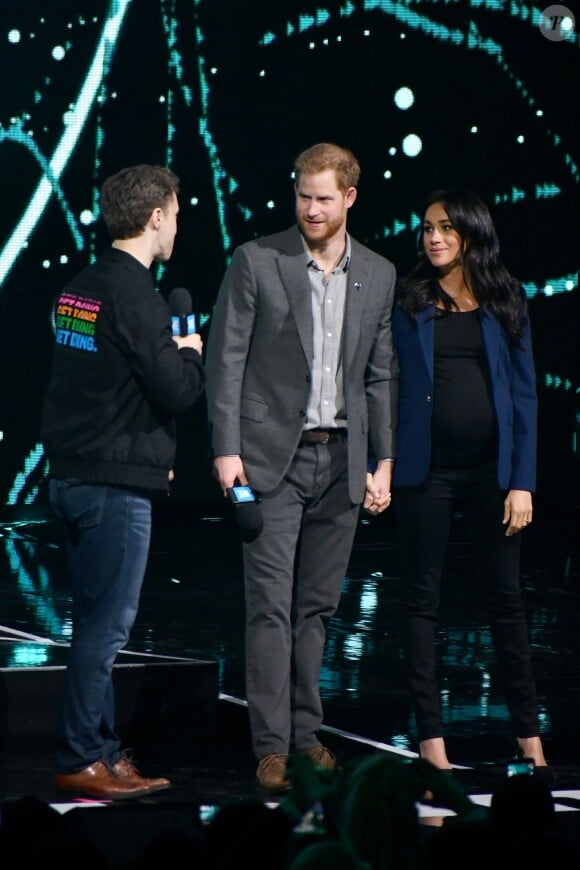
424 515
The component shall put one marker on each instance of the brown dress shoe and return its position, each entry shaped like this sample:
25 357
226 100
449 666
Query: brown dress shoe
271 773
98 781
125 770
321 756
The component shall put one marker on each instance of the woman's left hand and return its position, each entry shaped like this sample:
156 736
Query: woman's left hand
517 512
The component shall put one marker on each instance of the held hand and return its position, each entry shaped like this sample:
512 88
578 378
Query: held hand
193 341
369 498
378 494
227 470
517 513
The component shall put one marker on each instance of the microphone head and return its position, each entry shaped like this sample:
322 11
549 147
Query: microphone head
250 521
179 301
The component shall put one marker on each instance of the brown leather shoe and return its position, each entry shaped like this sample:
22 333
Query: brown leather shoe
321 756
98 781
125 770
271 773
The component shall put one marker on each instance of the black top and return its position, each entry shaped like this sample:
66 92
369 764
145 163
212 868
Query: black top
463 427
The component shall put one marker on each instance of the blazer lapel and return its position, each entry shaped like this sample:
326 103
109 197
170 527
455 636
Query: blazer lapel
357 288
425 333
294 276
491 331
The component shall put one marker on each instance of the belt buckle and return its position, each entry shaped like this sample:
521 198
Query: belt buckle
326 437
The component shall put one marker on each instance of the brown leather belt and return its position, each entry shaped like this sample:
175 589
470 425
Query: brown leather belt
321 436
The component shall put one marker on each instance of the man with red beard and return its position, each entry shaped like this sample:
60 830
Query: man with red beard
301 377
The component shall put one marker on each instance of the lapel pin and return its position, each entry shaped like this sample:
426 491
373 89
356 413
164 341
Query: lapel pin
357 285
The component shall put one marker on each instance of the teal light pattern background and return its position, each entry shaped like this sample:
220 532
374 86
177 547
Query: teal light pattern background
427 93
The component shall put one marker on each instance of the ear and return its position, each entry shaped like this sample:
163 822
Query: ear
350 196
155 218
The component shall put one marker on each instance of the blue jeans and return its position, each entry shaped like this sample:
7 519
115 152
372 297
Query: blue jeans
109 530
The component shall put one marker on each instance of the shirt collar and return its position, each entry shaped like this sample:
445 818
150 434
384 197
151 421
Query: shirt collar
342 265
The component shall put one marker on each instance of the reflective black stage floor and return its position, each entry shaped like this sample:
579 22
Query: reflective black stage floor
180 683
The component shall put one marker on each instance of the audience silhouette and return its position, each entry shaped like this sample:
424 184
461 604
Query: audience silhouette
364 815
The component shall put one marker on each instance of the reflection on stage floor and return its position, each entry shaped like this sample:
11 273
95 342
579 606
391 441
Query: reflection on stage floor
180 682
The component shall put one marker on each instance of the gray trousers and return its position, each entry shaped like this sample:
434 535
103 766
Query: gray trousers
294 573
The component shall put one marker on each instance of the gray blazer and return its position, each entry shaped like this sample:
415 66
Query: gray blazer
259 354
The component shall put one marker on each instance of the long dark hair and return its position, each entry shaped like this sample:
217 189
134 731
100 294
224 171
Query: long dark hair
493 286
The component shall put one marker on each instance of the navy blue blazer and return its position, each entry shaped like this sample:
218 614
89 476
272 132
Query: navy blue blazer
513 382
